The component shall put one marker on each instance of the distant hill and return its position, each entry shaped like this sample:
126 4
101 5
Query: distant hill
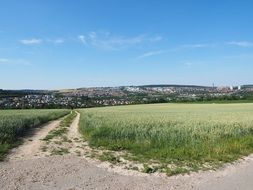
17 93
30 91
173 85
247 86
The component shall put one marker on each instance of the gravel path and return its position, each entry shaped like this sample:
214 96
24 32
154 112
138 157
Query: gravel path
31 145
27 167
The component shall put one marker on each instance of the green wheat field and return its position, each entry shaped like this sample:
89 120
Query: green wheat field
181 137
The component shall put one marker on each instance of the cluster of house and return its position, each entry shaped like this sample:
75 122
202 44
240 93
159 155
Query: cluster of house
94 92
55 101
113 102
36 101
110 96
150 89
176 89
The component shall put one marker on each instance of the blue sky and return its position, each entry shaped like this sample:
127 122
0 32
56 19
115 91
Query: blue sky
50 44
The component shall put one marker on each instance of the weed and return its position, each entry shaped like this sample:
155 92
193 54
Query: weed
59 151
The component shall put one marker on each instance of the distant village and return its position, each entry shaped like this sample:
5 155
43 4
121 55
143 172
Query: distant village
111 96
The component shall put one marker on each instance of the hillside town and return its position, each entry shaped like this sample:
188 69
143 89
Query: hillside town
111 96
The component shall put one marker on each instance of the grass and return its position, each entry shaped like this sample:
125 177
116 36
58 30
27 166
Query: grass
149 169
108 156
15 123
62 129
181 137
59 151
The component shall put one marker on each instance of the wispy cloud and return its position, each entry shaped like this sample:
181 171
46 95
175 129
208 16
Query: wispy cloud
199 45
194 63
37 41
56 41
188 64
241 43
82 39
5 61
32 41
101 40
156 38
107 41
177 48
151 53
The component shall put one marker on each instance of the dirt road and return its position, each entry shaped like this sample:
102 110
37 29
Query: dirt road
28 167
31 145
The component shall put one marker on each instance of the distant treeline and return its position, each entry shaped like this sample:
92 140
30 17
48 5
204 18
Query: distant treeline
19 93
